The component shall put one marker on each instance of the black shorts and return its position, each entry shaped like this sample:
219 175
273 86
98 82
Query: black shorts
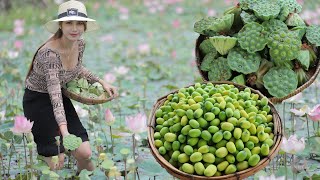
37 107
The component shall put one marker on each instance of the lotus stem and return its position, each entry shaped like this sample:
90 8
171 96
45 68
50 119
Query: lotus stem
112 142
25 151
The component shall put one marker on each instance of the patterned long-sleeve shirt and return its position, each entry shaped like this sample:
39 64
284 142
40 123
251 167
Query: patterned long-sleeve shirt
48 76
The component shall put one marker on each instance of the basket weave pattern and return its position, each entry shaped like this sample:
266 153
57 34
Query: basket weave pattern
238 175
85 100
313 73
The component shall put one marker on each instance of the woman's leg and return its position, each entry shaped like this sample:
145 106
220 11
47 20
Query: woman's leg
83 157
55 166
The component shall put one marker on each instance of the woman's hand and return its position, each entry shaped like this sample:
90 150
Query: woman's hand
109 88
64 130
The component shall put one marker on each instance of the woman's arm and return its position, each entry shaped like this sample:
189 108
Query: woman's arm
51 69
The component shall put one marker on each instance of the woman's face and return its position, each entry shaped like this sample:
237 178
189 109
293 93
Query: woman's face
72 30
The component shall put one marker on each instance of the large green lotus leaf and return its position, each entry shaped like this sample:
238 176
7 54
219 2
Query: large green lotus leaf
223 43
239 79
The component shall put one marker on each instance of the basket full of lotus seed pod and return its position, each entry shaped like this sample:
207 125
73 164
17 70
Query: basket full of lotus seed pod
82 91
214 130
261 44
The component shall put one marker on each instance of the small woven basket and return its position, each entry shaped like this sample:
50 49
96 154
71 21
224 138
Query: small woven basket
313 73
86 100
238 175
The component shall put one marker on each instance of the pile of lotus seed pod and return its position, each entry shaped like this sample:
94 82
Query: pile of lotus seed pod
214 130
83 88
259 43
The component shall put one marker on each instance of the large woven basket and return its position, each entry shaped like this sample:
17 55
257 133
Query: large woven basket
313 73
86 100
278 134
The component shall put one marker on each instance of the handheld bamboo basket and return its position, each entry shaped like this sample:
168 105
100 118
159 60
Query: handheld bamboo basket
86 100
312 73
278 134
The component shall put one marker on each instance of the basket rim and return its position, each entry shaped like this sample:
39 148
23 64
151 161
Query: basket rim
85 100
272 99
278 134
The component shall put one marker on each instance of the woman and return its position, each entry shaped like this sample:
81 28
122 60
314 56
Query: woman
56 62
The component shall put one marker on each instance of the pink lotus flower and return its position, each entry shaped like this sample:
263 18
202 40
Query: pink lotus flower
314 114
292 145
137 123
109 78
109 117
212 12
179 10
107 38
144 48
18 44
18 27
124 13
122 70
176 24
174 54
21 125
300 112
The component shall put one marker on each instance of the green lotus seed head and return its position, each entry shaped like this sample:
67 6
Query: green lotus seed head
203 25
241 61
280 81
274 25
247 17
223 43
284 46
220 71
207 47
71 142
252 37
207 62
247 4
239 79
295 20
222 24
284 13
313 34
300 31
266 10
292 5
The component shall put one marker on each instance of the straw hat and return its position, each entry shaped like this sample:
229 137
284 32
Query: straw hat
71 11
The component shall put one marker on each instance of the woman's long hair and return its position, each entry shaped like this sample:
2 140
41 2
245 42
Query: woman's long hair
56 35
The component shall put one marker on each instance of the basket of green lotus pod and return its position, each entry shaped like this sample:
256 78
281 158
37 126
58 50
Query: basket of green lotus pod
261 44
82 91
214 130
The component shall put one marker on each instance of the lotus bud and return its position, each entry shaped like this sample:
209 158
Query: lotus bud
29 137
